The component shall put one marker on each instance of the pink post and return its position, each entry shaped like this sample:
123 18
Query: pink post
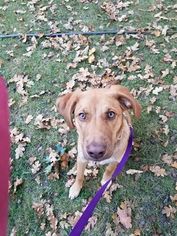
4 157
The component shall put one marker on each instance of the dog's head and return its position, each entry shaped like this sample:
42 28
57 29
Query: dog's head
98 117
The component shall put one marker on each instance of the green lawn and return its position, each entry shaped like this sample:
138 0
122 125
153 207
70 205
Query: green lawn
147 64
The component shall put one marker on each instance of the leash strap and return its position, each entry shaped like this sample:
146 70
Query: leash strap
78 228
4 157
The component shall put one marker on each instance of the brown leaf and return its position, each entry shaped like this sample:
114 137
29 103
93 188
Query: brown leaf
19 151
51 217
109 192
32 160
39 208
36 167
169 211
174 164
158 171
167 159
17 183
125 218
120 40
64 161
174 199
53 176
124 213
91 223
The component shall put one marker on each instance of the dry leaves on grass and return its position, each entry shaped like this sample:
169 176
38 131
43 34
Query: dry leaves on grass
160 172
46 122
108 194
113 10
45 209
124 215
170 160
174 199
91 223
22 82
35 165
69 220
51 217
21 140
56 160
169 211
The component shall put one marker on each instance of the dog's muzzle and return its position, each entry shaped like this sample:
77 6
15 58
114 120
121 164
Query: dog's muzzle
96 151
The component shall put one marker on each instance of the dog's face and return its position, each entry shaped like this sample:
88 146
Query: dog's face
98 118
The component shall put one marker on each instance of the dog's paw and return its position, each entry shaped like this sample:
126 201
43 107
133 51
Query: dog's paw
74 190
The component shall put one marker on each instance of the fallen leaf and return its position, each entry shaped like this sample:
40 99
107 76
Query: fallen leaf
157 90
124 214
35 167
64 161
132 172
163 118
19 151
168 159
109 192
28 119
158 171
39 207
125 217
17 183
91 58
109 231
91 223
174 199
169 212
174 164
51 217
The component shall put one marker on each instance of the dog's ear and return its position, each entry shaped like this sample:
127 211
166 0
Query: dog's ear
66 105
126 100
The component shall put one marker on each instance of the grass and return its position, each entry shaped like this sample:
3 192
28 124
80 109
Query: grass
148 194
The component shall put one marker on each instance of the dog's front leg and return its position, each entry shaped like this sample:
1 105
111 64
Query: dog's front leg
108 173
77 186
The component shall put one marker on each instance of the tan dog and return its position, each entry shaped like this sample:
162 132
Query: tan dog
103 125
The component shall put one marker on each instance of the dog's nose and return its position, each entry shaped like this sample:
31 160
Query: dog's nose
96 150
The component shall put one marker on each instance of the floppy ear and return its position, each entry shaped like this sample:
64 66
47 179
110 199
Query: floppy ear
126 100
66 105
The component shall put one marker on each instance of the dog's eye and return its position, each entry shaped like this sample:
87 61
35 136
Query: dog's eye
111 115
82 116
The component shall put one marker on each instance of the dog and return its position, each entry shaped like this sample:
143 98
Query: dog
102 121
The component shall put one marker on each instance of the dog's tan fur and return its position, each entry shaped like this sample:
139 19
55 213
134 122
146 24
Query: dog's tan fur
96 128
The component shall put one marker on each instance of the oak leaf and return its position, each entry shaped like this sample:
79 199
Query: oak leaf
158 171
124 214
169 212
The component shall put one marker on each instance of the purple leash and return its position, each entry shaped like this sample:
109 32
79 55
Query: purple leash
79 226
